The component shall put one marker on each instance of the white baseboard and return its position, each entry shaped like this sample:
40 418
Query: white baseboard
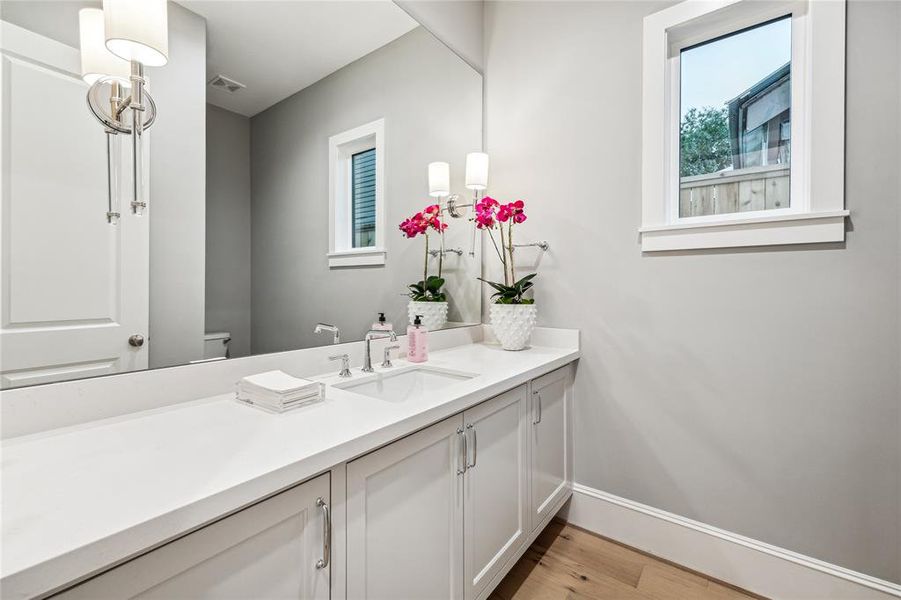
750 564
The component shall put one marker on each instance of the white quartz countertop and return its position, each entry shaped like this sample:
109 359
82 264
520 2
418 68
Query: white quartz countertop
81 498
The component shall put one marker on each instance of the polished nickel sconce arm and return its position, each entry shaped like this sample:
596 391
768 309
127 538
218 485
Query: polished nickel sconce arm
143 114
455 208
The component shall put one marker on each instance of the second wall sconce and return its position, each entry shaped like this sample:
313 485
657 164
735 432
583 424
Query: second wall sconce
476 180
117 42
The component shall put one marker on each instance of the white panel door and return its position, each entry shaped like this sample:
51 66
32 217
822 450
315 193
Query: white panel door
496 493
74 288
551 472
405 518
269 550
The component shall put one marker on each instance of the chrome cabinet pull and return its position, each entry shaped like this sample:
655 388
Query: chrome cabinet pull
475 446
465 454
537 419
326 534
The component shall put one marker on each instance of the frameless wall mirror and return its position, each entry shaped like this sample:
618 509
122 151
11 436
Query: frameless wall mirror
279 145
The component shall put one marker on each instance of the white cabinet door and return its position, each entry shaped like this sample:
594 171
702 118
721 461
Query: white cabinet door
405 518
496 493
551 472
74 288
267 551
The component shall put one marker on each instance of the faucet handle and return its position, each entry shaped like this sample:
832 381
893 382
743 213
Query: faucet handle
345 364
386 363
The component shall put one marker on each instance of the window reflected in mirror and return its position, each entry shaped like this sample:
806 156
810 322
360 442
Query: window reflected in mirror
363 198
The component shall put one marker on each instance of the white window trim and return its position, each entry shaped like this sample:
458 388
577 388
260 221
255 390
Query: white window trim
342 147
817 212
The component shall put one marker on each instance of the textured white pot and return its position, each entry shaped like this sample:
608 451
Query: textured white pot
513 324
434 314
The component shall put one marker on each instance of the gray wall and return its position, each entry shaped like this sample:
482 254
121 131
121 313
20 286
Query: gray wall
432 105
754 390
177 194
228 226
56 19
458 23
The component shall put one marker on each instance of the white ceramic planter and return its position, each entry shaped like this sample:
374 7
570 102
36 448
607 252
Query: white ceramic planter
434 314
513 324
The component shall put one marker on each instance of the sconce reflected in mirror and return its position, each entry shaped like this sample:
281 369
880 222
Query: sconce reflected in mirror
116 43
476 180
439 179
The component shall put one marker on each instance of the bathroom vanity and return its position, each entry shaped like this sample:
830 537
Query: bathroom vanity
424 481
128 467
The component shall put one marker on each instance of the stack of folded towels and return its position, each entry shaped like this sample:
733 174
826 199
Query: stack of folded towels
277 391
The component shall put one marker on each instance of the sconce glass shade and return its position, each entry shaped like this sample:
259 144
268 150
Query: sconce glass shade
138 30
477 170
439 179
96 60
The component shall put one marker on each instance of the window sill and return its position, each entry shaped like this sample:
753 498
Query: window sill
358 257
771 230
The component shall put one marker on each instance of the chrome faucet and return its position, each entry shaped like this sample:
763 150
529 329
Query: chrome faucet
320 327
375 334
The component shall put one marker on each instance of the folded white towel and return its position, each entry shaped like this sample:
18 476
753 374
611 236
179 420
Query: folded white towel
278 391
276 382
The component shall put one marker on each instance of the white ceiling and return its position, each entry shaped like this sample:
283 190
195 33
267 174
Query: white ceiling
277 48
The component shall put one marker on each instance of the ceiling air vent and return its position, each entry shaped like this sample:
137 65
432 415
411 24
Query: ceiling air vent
224 83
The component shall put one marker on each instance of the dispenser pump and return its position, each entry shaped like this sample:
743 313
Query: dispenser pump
382 324
417 321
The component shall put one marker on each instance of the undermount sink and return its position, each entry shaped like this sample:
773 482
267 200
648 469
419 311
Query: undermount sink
406 383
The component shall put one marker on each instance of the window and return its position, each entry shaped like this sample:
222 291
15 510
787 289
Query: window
363 198
735 123
722 165
356 197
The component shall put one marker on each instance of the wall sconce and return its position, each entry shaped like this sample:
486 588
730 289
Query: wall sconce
116 44
476 180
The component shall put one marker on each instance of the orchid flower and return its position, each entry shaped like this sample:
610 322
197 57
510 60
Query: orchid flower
491 215
420 223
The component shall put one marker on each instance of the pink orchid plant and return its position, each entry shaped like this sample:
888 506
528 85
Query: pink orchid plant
428 219
493 216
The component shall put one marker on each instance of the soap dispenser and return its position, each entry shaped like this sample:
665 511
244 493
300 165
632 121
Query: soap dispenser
417 341
382 324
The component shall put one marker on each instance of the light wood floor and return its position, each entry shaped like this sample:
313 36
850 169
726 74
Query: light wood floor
567 563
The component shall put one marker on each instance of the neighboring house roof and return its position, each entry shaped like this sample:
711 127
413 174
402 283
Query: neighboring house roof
762 85
760 103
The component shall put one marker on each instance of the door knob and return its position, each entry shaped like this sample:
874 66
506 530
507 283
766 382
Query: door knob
136 340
